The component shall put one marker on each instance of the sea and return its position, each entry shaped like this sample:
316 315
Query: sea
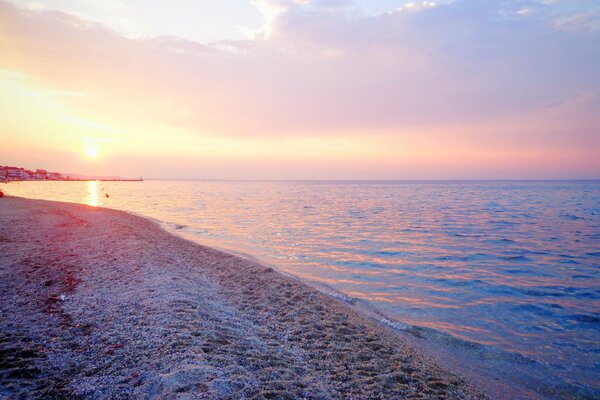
502 276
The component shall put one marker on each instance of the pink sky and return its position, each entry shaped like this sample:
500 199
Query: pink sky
309 90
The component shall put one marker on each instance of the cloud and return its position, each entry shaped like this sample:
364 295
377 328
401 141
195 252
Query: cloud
318 72
587 22
103 4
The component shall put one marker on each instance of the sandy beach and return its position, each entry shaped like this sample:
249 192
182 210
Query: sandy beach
102 304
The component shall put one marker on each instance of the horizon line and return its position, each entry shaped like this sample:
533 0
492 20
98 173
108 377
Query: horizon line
378 180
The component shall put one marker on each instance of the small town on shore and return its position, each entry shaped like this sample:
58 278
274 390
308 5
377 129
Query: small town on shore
12 174
8 174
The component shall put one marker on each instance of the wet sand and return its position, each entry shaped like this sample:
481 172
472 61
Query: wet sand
99 304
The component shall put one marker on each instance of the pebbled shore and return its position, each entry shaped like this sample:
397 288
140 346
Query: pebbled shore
102 304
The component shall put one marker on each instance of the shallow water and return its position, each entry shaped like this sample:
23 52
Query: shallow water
512 266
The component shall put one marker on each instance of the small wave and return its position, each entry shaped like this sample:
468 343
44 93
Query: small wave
504 223
481 350
401 326
569 261
359 264
516 271
535 309
502 241
342 297
585 318
571 217
559 291
457 282
515 258
580 276
389 253
467 257
465 235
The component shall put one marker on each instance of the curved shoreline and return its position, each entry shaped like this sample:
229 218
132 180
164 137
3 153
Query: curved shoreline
100 303
502 379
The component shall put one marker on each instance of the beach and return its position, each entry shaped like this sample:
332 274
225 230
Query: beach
99 303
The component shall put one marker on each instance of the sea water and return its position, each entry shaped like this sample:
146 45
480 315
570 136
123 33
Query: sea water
507 270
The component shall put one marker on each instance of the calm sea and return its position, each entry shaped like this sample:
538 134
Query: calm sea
507 271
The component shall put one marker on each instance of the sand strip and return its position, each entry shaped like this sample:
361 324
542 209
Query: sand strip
98 304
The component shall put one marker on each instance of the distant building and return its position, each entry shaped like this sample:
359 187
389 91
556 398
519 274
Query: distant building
40 174
22 174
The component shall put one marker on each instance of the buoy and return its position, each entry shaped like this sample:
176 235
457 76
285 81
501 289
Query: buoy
106 195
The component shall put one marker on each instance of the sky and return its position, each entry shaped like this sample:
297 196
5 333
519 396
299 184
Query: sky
302 89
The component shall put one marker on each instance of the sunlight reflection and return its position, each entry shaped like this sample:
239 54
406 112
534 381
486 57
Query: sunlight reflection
92 194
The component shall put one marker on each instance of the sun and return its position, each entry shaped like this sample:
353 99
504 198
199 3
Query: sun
91 152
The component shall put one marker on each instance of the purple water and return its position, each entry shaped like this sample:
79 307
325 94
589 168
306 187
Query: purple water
509 271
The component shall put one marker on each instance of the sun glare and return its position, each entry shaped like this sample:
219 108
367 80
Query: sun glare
91 152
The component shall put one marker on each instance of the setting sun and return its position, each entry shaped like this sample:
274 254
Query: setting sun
91 152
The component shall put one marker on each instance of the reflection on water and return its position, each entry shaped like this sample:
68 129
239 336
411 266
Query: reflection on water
92 193
515 265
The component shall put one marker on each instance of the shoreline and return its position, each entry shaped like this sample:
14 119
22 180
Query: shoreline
497 380
102 303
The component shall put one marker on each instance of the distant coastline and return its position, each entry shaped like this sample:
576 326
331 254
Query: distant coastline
19 174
